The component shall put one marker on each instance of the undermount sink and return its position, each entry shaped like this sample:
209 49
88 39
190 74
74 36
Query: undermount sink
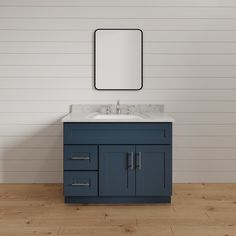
116 116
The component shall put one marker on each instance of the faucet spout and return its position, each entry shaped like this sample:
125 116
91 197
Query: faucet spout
118 111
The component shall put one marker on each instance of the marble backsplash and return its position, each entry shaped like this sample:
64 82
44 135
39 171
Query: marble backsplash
111 108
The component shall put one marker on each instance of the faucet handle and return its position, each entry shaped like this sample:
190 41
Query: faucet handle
108 109
130 109
118 110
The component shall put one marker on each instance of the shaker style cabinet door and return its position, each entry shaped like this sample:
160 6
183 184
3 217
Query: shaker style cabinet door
153 170
116 170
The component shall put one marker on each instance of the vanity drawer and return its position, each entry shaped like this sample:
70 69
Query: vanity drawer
80 183
117 133
80 157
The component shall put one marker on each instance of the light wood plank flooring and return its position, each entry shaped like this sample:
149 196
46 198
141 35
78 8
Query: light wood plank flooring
196 209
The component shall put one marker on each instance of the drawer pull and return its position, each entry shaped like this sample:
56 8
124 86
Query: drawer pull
80 184
80 158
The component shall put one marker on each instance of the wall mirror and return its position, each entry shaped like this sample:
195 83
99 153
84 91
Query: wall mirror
118 59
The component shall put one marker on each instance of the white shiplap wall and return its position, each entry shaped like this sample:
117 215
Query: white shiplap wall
46 65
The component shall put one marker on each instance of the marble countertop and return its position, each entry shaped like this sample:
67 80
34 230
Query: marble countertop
144 112
159 117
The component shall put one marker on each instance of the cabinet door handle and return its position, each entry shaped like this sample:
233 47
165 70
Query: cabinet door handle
80 158
80 184
130 160
139 160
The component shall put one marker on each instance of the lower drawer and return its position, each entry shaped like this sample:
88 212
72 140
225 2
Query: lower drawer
80 183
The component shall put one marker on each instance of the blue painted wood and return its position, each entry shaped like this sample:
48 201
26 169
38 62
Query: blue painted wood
117 200
117 183
80 157
153 170
117 133
116 177
73 179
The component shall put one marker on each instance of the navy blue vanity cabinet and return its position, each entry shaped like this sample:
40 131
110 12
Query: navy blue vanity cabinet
117 162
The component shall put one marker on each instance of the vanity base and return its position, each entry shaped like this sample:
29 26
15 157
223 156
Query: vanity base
117 200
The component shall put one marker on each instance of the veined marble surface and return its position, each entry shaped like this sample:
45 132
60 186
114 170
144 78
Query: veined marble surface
141 113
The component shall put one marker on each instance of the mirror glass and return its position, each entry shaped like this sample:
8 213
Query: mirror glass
118 59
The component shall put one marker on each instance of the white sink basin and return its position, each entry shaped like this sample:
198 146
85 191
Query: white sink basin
116 117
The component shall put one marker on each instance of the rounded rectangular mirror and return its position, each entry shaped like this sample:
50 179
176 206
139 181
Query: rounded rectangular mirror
118 59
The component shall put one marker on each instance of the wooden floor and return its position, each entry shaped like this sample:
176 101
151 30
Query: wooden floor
196 209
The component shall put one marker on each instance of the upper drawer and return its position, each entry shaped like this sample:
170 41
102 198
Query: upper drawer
117 133
80 157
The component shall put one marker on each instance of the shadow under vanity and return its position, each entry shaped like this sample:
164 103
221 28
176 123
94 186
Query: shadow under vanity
117 154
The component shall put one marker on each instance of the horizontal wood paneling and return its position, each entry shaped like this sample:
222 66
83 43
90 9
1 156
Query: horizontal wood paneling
205 118
149 71
150 37
190 153
32 142
148 24
204 176
185 47
71 47
40 59
87 60
199 83
69 94
205 142
31 165
31 177
63 107
44 46
204 130
11 118
45 71
19 153
204 165
17 130
212 85
125 3
191 71
114 12
200 106
46 64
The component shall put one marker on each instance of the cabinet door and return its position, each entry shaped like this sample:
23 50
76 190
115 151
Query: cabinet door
153 170
116 170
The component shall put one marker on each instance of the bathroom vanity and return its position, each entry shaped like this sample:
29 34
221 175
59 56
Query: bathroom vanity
117 158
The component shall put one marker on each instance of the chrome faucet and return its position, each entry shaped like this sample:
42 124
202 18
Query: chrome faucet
118 111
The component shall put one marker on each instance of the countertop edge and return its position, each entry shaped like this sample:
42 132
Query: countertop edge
70 119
